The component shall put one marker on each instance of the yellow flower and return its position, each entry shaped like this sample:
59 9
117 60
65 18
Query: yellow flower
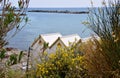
38 65
46 71
65 55
58 63
73 60
50 68
51 55
45 53
116 40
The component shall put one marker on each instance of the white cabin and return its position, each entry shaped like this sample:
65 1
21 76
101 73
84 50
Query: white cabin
54 40
37 45
64 41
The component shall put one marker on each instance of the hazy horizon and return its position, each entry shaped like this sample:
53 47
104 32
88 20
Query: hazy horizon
61 3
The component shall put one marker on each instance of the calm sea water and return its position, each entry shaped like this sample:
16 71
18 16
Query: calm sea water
41 23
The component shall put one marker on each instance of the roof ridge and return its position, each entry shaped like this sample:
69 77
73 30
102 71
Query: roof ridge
50 34
70 35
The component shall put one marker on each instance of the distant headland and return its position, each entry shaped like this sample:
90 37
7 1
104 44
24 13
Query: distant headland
56 11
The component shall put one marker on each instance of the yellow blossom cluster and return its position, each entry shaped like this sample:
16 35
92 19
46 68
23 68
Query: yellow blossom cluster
62 63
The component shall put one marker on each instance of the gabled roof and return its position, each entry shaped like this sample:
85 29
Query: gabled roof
90 38
86 39
70 39
50 38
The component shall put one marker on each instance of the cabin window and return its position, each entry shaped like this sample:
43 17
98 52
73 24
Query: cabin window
40 42
58 45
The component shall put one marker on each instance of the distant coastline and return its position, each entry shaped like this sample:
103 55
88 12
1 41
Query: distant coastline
43 22
56 11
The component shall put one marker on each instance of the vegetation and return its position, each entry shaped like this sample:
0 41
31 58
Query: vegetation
62 64
95 58
10 18
10 21
14 58
2 54
103 55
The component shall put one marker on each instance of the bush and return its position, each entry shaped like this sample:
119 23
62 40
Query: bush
64 63
103 55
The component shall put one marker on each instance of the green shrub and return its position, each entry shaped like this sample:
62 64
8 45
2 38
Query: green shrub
2 54
64 63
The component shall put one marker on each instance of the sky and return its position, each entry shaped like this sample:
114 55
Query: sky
62 3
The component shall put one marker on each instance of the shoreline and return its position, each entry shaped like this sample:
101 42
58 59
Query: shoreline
56 11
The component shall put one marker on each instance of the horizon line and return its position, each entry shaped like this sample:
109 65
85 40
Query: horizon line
63 7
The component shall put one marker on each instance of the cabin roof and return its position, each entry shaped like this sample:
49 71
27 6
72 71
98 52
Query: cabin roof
66 40
90 38
70 39
50 38
86 39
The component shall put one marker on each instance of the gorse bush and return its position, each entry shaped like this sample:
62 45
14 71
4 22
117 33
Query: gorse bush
95 61
104 55
62 64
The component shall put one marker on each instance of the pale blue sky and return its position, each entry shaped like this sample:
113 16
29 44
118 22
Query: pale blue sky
62 3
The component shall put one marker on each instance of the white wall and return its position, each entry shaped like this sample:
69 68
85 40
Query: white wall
37 49
54 47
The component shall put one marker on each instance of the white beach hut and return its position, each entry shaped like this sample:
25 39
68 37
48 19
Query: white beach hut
45 38
38 44
64 41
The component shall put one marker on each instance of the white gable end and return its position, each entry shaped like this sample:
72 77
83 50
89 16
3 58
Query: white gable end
51 38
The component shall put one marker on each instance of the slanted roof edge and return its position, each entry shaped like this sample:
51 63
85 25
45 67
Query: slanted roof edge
56 41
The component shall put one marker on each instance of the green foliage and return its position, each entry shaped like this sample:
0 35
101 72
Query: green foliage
45 46
15 74
62 64
10 73
26 19
12 60
5 70
20 56
2 54
11 18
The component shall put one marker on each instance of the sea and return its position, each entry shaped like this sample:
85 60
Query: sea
42 23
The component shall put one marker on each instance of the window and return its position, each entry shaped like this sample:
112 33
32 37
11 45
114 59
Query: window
58 45
40 42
